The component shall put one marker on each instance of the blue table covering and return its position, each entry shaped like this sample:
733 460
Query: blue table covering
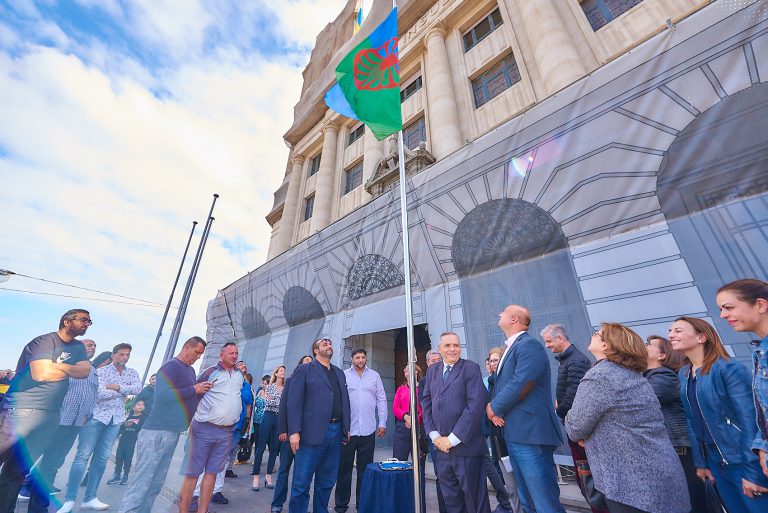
386 491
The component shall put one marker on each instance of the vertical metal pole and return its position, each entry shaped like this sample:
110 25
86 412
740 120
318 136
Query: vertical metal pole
174 338
168 306
409 327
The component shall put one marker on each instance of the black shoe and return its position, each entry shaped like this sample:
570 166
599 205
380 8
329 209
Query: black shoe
218 498
114 479
230 473
123 481
193 505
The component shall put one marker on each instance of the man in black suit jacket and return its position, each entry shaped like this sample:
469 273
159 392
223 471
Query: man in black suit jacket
318 421
453 402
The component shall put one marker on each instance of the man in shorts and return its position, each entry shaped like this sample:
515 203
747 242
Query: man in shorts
210 433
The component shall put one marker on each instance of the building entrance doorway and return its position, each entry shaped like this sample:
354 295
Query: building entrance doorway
387 354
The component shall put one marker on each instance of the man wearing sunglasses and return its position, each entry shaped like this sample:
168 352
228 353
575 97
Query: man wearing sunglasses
34 399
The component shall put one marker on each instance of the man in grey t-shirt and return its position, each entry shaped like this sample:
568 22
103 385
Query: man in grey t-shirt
31 406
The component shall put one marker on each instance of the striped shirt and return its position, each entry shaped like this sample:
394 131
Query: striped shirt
80 399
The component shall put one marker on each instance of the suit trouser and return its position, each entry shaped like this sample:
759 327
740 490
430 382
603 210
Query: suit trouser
364 447
536 477
440 500
320 461
24 433
464 485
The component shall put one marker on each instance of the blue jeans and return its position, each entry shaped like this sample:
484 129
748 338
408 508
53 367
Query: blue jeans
267 436
95 439
44 474
536 477
281 481
728 482
320 461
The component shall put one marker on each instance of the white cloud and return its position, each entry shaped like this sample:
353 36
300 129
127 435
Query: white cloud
304 19
102 176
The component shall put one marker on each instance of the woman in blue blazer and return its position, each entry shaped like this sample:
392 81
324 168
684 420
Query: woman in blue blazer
717 397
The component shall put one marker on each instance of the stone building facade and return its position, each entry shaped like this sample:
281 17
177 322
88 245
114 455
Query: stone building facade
626 183
466 67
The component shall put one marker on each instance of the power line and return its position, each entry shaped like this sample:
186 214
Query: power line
153 303
84 298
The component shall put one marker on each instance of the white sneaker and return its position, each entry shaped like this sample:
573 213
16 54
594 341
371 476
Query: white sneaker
66 507
94 504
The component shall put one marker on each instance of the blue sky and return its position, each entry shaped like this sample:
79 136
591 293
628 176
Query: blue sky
120 120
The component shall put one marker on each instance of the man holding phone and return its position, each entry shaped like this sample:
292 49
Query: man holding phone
210 433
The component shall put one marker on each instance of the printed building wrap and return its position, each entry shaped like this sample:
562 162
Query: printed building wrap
629 196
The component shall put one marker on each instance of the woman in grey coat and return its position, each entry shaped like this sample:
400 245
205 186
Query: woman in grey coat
616 416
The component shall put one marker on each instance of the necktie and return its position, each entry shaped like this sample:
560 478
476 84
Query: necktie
446 372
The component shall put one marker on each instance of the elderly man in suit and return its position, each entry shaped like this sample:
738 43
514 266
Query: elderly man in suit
452 401
318 423
522 405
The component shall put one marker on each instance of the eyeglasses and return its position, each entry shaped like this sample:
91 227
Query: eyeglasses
496 360
84 320
597 334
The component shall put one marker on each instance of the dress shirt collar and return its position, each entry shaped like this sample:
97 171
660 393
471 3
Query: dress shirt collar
511 340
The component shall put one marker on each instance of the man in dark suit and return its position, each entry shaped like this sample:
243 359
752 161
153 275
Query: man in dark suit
318 422
522 404
452 401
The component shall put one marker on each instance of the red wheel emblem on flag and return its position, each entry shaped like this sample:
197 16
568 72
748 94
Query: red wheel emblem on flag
377 68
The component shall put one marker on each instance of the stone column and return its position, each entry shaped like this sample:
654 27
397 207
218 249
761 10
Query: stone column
321 215
556 57
373 151
444 130
291 205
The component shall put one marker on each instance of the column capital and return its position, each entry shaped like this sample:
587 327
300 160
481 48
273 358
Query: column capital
297 159
437 30
330 126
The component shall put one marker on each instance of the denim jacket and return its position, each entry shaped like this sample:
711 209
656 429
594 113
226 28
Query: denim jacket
726 402
760 388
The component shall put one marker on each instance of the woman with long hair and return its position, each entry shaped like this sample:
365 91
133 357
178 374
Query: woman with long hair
744 304
717 396
616 416
663 364
268 429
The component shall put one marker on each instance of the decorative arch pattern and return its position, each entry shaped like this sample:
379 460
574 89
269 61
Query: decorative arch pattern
713 189
300 306
526 251
503 231
253 323
371 274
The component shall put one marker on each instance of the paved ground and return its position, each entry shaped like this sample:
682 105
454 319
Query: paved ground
244 500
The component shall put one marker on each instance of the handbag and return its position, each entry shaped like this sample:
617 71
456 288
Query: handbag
712 498
592 495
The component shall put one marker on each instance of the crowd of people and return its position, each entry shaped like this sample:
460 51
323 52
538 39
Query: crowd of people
664 425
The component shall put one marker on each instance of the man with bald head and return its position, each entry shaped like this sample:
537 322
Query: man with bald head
522 405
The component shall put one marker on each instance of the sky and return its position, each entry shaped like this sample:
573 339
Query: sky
118 122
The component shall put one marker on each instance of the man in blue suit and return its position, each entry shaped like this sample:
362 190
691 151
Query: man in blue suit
452 401
522 405
318 422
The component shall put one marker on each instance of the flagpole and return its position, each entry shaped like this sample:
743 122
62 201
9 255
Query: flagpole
409 328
